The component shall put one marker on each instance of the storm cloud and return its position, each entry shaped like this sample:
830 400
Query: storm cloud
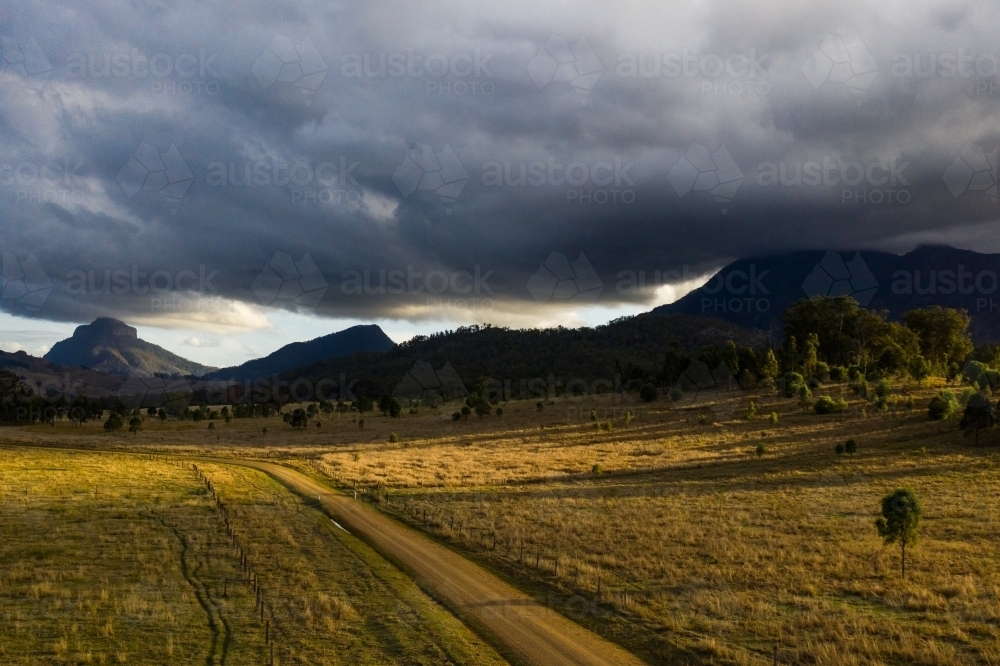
472 162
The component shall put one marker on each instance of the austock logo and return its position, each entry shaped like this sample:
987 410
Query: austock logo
736 290
559 279
611 177
284 61
558 61
974 170
153 171
701 170
833 276
860 183
286 281
840 61
426 385
45 181
140 391
24 62
732 74
426 170
958 281
25 282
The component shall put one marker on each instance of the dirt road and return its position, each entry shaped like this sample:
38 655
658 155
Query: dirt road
531 632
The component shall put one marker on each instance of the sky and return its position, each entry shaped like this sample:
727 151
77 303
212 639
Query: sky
232 177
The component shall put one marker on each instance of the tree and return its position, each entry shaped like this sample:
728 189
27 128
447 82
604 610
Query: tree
384 402
943 334
648 393
943 406
114 422
770 370
731 357
135 425
980 414
395 408
851 447
812 355
901 513
299 418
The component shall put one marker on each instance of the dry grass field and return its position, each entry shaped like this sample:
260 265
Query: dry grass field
687 534
122 559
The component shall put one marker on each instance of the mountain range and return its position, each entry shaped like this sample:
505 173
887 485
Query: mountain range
113 347
744 301
755 292
364 338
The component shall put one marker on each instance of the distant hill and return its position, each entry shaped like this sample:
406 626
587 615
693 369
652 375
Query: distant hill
366 338
49 379
440 362
755 292
113 347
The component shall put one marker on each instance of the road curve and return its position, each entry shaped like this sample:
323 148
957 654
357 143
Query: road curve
531 632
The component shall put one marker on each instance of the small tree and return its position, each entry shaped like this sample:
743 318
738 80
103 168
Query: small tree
648 393
980 414
114 422
135 425
851 447
395 408
901 513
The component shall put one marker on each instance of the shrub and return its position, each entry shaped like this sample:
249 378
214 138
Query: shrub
773 418
456 416
540 405
393 438
838 373
597 469
751 411
114 422
761 449
499 411
943 406
812 383
851 447
648 393
792 382
628 417
980 414
676 395
593 415
827 405
883 388
839 449
822 370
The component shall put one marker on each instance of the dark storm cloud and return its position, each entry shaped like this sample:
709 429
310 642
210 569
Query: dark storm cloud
393 158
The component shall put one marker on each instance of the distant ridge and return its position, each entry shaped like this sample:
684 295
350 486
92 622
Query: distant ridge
113 347
368 337
755 292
